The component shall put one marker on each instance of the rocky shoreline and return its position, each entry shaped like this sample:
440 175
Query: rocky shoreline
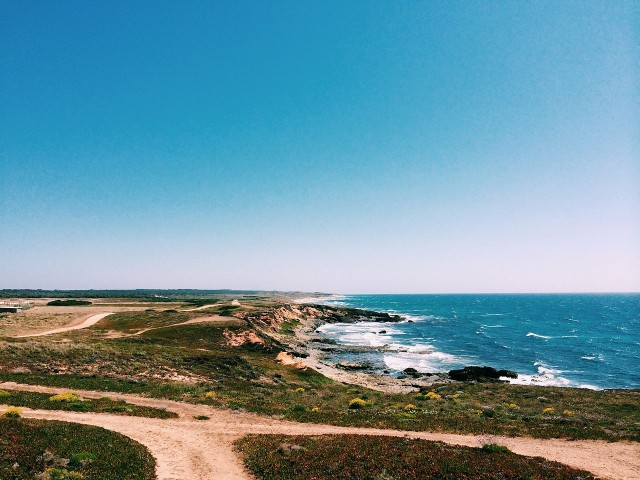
310 348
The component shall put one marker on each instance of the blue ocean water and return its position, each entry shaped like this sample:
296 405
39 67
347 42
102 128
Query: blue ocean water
585 340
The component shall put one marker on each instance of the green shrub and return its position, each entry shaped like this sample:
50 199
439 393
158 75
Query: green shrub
68 303
495 448
79 406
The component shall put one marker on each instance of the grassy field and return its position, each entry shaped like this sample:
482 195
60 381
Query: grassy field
30 320
68 451
353 457
75 403
195 363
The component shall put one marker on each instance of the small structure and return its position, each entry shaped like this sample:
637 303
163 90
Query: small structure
14 306
10 309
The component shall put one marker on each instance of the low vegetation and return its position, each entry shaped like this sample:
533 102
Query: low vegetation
354 457
67 451
198 363
68 303
72 402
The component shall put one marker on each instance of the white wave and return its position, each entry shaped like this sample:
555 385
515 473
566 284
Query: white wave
408 316
492 326
544 337
416 349
593 358
546 376
372 334
428 361
415 318
492 315
321 300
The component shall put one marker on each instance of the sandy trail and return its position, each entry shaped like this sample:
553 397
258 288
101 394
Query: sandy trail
92 320
202 307
234 303
203 450
210 319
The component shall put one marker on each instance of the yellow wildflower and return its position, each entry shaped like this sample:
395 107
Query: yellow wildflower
357 403
12 412
65 397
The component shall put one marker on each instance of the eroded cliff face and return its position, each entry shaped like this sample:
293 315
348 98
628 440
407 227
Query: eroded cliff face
276 318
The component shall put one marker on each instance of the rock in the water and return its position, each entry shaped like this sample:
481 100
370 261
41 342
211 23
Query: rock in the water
480 374
508 373
410 370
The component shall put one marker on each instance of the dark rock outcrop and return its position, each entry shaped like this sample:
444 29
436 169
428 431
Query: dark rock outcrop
480 374
354 366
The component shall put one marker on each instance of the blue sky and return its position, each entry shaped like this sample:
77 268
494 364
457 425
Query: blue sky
327 146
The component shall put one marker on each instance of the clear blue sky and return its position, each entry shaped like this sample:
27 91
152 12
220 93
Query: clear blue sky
355 146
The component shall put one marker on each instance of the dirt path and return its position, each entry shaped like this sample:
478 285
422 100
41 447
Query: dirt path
202 450
210 319
92 320
202 307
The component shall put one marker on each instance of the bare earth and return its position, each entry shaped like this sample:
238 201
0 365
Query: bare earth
203 450
42 318
92 320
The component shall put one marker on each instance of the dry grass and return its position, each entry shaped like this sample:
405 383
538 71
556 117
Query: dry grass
35 320
42 317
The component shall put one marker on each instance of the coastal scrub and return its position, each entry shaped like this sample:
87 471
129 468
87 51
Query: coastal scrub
330 457
32 447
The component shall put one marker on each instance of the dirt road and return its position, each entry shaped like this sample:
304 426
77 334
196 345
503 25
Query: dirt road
186 448
92 320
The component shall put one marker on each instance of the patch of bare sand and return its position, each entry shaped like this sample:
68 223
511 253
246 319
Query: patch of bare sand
238 339
203 450
285 358
202 307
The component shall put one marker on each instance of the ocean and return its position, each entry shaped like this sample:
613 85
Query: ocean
570 340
